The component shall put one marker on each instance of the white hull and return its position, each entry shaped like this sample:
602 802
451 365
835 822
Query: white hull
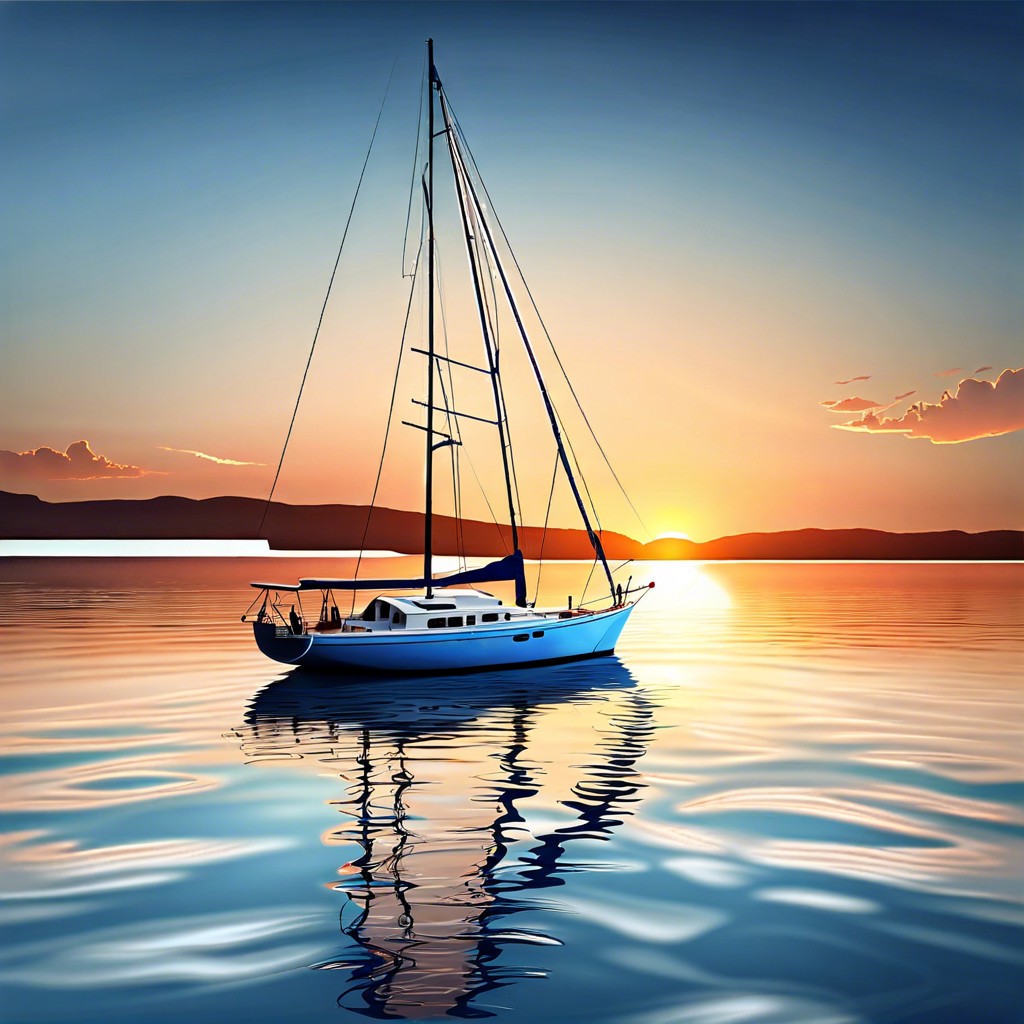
525 641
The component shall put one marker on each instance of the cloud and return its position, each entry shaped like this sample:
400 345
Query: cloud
948 373
852 405
77 462
851 381
906 394
982 369
209 458
978 409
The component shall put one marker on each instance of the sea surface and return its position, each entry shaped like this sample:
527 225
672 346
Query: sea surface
794 795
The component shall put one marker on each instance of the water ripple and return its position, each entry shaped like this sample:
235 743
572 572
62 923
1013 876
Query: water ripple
796 795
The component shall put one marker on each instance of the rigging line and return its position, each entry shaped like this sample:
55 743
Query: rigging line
568 439
457 487
487 501
497 320
544 533
412 184
452 424
594 538
452 421
484 261
470 235
579 471
444 333
323 308
534 365
511 451
547 334
387 429
460 529
492 316
593 566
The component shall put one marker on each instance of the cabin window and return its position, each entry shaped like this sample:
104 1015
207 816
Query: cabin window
489 617
508 616
470 620
376 611
520 637
435 623
397 618
454 620
538 633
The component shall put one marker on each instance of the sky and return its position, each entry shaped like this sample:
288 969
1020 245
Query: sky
778 249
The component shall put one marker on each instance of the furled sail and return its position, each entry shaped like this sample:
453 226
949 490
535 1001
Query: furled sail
509 568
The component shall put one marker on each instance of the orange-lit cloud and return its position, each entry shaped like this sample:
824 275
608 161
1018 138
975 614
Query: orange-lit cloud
77 462
851 380
852 405
209 458
906 394
982 369
978 409
948 373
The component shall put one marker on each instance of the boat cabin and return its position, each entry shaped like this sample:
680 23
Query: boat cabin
446 610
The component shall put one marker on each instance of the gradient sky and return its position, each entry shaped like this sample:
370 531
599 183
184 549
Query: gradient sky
721 210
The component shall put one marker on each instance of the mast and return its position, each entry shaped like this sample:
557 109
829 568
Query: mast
428 517
563 457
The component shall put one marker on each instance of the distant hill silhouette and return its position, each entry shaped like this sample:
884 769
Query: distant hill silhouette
287 527
847 544
340 527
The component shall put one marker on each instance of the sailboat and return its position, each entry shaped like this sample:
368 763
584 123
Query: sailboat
432 623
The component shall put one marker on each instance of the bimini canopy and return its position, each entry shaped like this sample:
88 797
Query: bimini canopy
508 568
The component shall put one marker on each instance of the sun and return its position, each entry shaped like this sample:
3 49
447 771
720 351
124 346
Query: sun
673 535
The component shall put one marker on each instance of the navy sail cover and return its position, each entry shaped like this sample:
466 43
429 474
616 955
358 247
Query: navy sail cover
508 568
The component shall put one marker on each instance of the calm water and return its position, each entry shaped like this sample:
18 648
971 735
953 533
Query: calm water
795 795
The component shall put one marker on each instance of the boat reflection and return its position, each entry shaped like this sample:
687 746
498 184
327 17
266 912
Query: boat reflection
464 796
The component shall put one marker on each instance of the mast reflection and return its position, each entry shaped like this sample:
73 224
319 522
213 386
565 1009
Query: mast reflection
444 776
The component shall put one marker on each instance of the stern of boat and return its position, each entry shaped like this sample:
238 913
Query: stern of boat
279 643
